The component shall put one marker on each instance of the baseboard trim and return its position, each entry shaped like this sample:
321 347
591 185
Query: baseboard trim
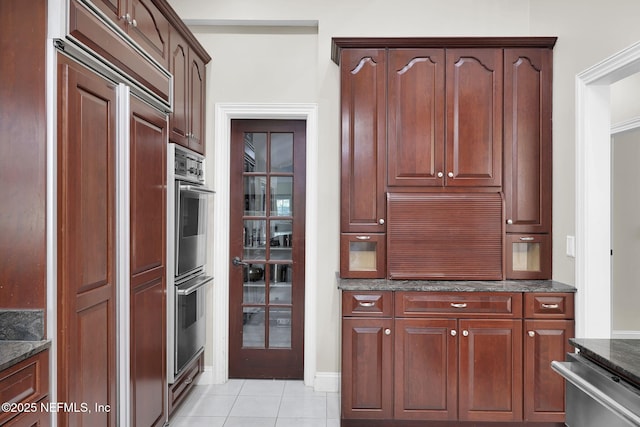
621 334
327 382
206 377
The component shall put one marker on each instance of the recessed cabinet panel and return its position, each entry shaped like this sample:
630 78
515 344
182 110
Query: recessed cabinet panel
474 117
445 236
527 140
416 117
363 87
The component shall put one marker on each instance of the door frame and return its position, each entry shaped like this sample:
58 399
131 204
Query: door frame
219 256
593 190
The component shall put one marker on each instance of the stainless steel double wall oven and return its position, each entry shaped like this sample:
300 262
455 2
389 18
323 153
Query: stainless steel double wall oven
187 201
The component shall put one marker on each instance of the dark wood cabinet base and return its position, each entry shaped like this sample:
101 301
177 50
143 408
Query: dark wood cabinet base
180 389
407 423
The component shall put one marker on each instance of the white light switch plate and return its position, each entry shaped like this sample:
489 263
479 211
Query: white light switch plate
571 246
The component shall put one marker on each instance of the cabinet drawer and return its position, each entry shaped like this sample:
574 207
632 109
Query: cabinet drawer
458 304
26 382
180 389
549 306
367 304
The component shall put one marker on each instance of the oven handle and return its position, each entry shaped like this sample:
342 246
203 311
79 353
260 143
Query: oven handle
600 396
199 282
196 189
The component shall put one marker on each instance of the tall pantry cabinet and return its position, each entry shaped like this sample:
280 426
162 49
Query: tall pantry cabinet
114 93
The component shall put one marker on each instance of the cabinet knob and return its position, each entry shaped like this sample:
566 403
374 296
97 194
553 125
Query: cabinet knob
453 333
465 333
450 174
387 331
532 334
509 221
381 221
440 174
134 23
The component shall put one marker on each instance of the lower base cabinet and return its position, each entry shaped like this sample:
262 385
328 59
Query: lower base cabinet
179 390
457 358
25 388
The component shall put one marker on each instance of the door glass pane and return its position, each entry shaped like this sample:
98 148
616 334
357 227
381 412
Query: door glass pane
280 283
526 256
362 256
281 239
280 327
282 152
253 328
254 239
255 152
255 194
253 284
281 196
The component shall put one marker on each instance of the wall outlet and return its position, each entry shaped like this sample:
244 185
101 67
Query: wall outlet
571 246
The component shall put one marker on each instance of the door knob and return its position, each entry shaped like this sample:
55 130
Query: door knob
237 261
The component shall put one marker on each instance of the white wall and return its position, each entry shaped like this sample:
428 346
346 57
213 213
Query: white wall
270 64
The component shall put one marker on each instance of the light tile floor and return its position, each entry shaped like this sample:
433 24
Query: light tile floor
258 403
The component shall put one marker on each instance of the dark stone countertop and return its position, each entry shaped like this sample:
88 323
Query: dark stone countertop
14 352
621 356
454 285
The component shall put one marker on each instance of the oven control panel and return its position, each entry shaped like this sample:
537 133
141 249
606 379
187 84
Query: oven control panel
188 166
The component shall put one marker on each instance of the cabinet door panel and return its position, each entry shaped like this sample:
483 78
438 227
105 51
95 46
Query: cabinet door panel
178 66
86 243
527 139
544 390
113 9
416 117
196 103
367 368
490 386
426 369
363 99
151 30
474 117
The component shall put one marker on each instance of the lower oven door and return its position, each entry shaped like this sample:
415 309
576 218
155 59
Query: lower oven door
596 397
189 321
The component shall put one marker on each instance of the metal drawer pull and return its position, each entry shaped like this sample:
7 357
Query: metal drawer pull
366 303
550 305
459 304
526 239
363 237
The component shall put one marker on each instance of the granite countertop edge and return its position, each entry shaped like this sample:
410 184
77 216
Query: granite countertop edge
621 356
14 352
454 285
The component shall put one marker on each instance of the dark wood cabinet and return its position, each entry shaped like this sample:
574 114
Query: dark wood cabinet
547 330
86 238
364 126
462 115
187 119
143 21
23 154
473 358
416 117
490 375
148 141
474 117
425 369
367 368
26 385
179 390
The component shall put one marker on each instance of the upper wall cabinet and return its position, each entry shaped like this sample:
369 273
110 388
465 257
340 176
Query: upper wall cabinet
187 118
445 117
527 139
143 21
363 105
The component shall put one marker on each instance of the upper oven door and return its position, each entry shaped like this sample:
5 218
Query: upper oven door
191 230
